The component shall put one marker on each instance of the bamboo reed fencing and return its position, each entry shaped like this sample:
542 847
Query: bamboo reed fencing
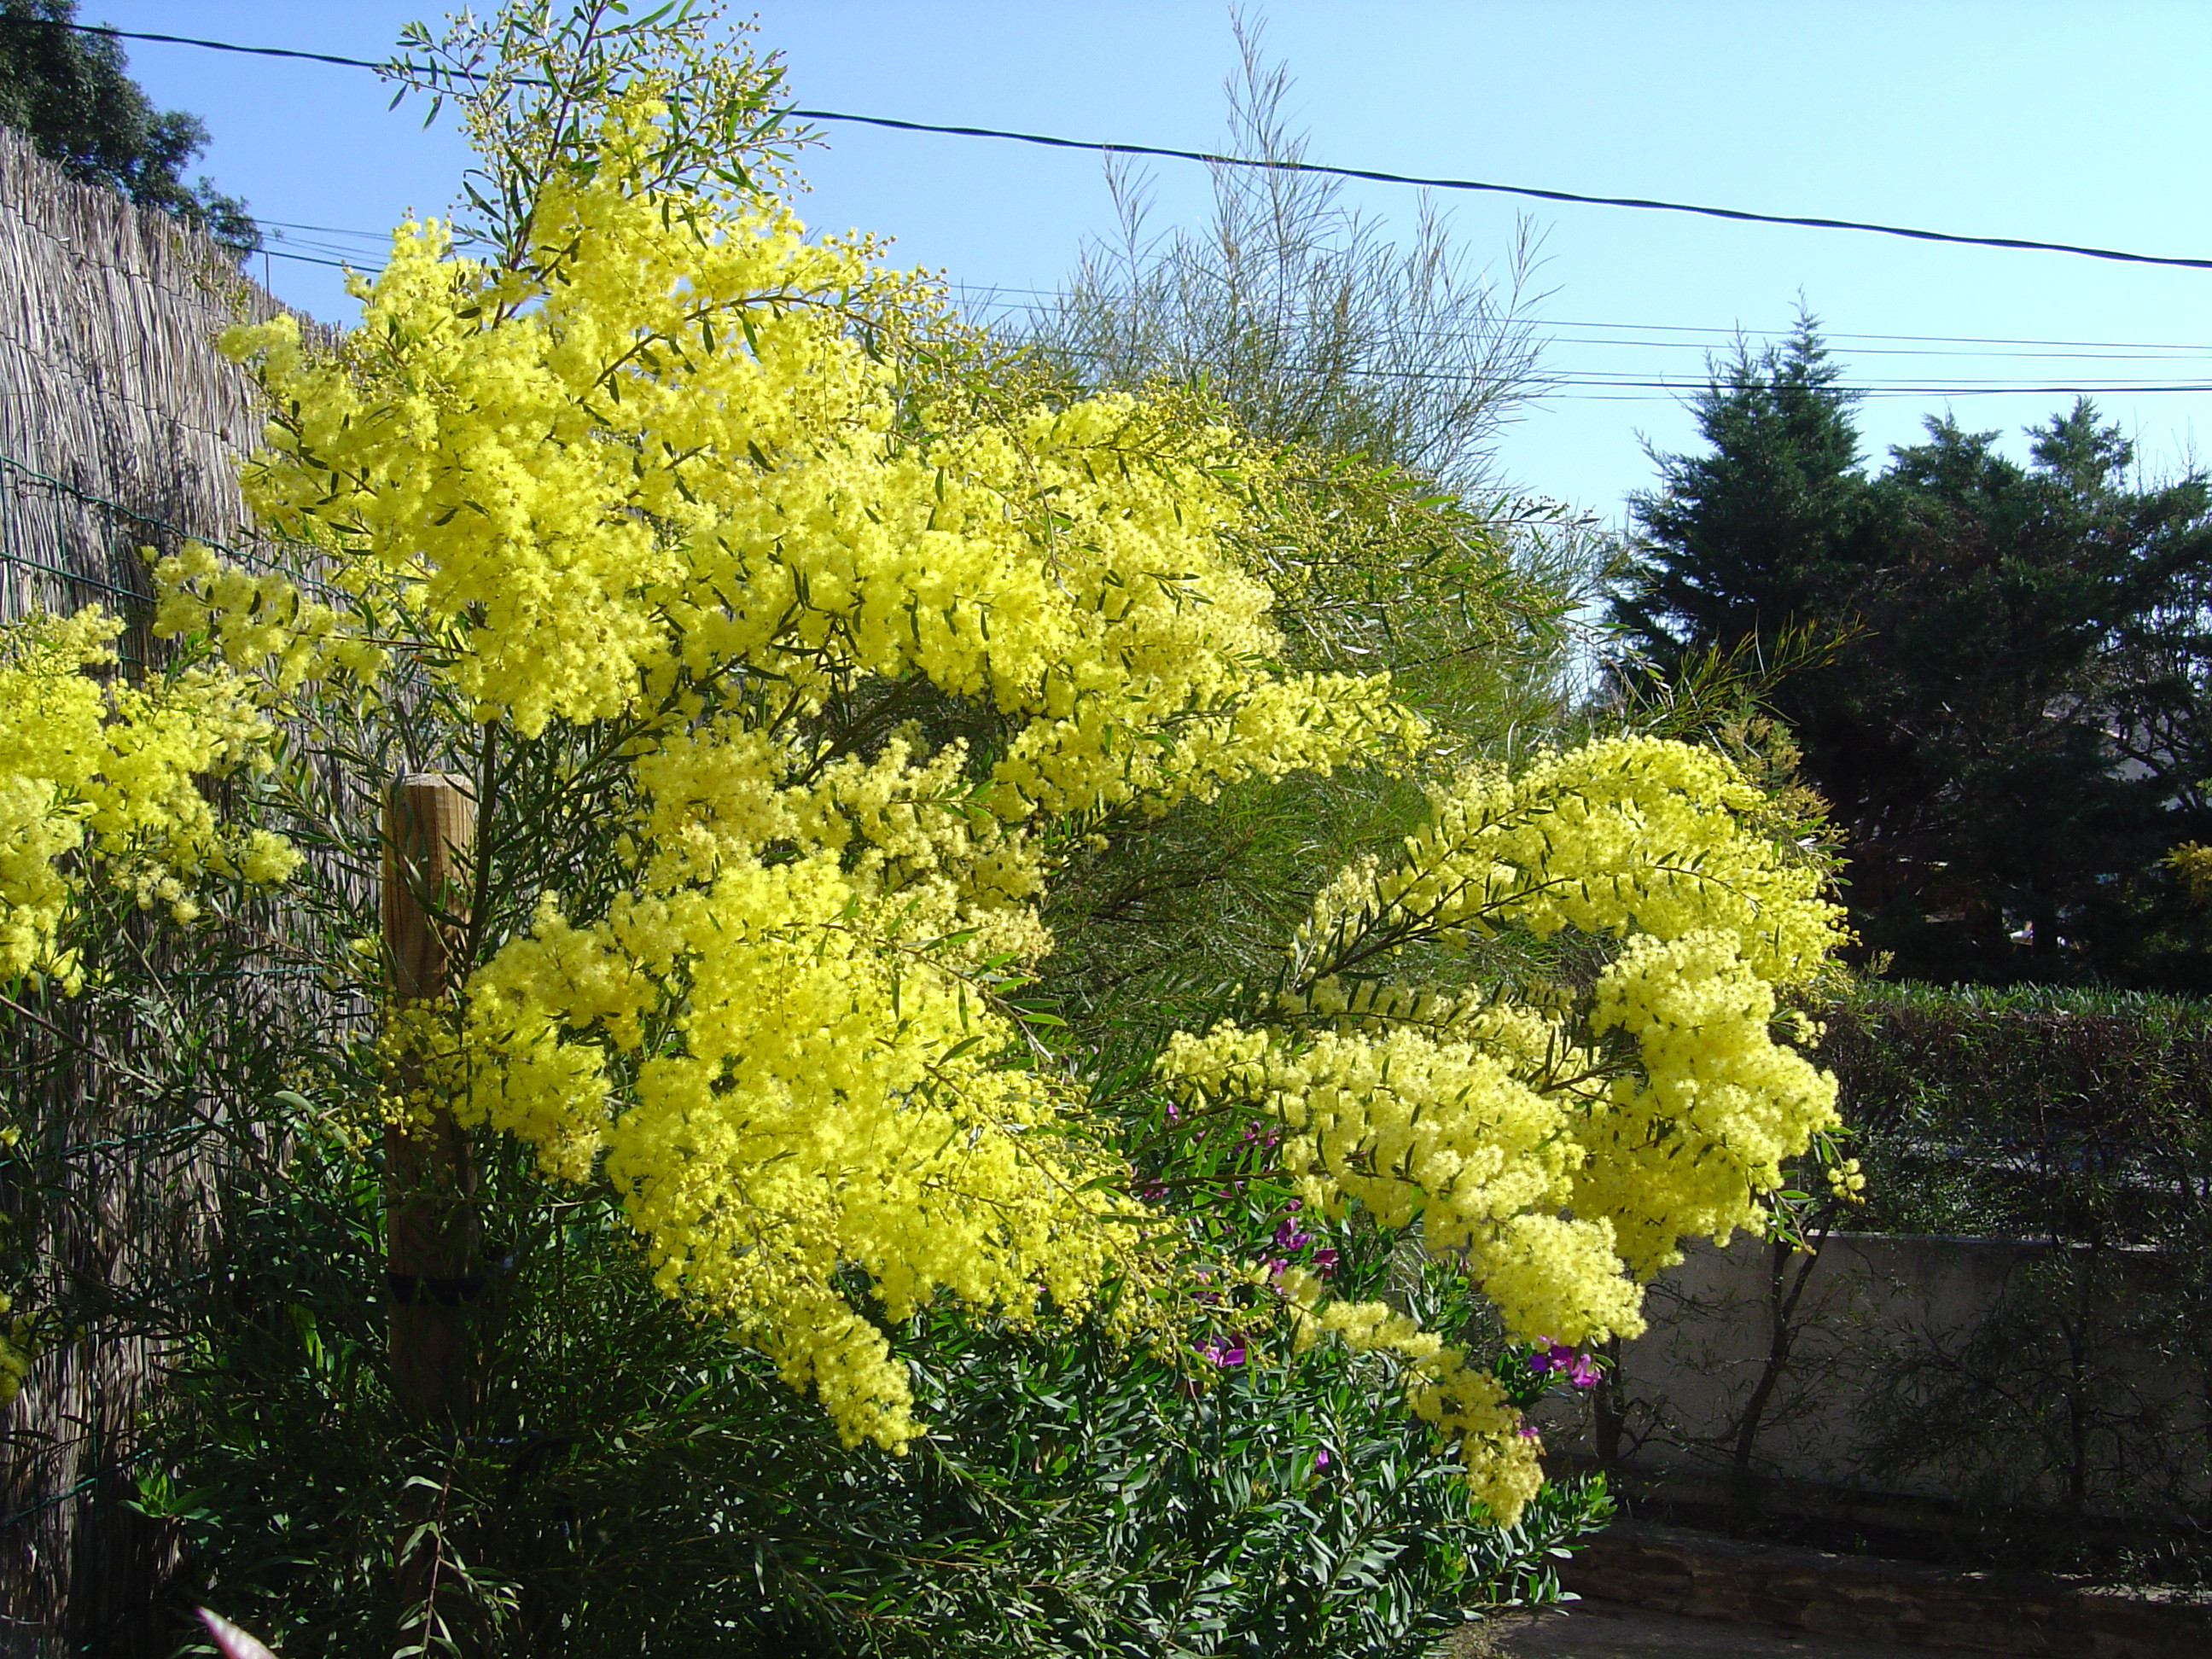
119 426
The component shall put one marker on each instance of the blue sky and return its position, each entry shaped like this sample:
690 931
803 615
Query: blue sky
2062 122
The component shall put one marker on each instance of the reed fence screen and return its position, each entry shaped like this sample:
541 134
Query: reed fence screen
121 425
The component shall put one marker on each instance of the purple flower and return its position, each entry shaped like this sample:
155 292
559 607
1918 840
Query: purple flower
1324 1261
1321 1458
1573 1363
1527 1430
1559 1356
1224 1357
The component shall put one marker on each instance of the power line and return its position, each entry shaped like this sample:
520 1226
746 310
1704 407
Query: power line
2091 350
219 46
327 230
310 259
1624 378
1545 384
1741 216
1735 330
2019 244
1953 339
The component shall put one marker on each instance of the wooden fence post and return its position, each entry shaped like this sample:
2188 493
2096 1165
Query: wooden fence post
429 1212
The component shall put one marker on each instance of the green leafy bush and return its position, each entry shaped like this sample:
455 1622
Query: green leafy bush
641 1482
2076 1115
2078 1123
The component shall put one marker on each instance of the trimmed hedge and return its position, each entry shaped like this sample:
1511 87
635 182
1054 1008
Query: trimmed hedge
2034 1113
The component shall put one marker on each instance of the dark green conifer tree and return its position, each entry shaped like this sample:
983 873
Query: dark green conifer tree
2004 700
1759 537
2008 644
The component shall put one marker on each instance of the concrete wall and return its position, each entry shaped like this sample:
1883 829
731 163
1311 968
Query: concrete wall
1978 1372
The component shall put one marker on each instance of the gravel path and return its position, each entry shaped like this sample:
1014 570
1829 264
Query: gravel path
1601 1630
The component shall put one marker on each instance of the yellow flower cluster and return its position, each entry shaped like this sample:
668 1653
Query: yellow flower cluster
661 455
665 481
258 620
1627 836
1560 1164
17 1349
1463 1402
836 1094
1697 1132
2192 864
1846 1182
99 765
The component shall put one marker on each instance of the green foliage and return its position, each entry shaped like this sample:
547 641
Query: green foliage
2033 1112
1159 922
68 92
1383 374
641 1484
2071 1129
637 1479
2002 705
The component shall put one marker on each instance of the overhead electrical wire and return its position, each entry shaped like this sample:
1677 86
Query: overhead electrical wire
2090 350
214 45
1735 330
1607 378
1617 385
2015 244
1626 380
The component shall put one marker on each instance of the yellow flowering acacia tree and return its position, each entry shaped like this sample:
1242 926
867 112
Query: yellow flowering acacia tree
647 503
1556 1133
784 656
101 772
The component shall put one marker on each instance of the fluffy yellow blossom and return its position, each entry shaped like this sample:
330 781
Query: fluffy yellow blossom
1463 1402
664 506
93 765
2192 864
660 490
838 1094
1557 1146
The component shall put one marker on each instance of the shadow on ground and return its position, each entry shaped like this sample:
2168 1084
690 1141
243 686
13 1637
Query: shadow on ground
1601 1630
